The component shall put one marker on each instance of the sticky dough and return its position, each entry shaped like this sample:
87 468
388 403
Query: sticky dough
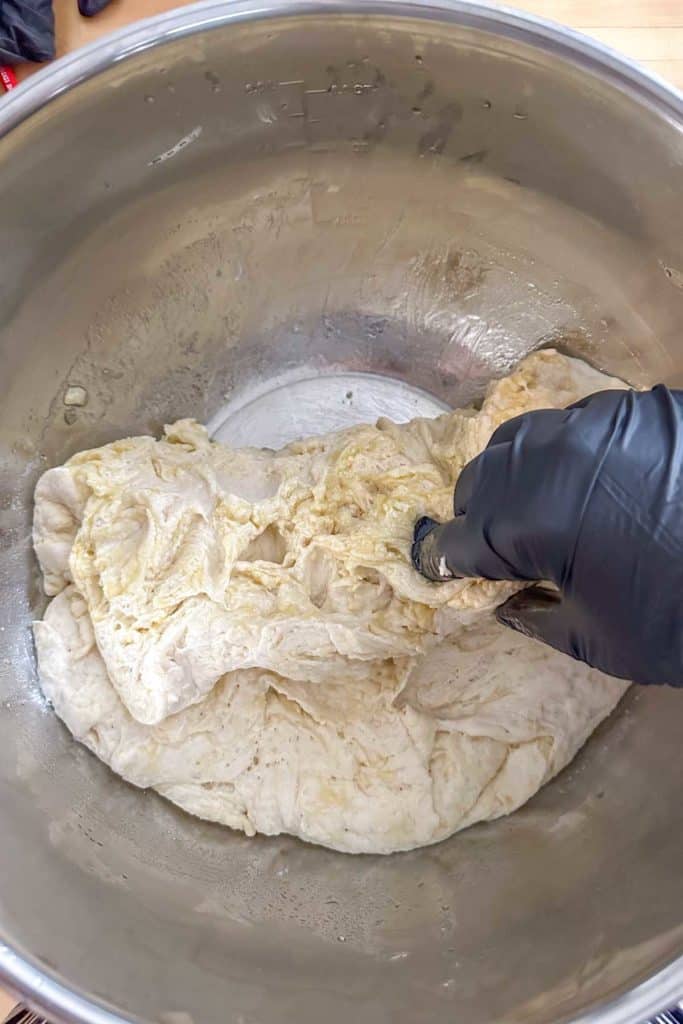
242 630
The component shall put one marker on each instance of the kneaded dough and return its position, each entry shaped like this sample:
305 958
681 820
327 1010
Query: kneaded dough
242 630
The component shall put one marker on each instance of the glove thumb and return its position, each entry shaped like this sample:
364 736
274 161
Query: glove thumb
542 613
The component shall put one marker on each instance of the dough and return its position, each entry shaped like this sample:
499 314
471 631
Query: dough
242 630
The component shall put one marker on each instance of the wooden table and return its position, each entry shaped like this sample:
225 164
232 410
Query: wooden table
649 31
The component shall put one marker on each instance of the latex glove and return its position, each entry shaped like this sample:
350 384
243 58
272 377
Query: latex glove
589 498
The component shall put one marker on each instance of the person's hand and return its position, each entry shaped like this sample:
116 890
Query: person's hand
590 499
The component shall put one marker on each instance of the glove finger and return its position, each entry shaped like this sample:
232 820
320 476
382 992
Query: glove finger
481 477
464 487
537 424
454 549
542 614
497 450
426 553
423 526
507 431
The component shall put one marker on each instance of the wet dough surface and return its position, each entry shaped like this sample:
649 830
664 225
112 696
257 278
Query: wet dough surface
242 630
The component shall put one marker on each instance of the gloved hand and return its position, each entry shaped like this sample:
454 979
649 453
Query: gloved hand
589 498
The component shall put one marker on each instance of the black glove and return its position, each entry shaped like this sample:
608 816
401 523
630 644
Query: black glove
88 8
589 498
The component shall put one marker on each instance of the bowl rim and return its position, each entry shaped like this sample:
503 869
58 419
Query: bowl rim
78 66
19 972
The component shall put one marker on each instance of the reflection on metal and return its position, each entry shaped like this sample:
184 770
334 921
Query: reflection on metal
362 215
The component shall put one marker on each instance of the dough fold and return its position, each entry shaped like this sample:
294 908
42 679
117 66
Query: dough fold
242 630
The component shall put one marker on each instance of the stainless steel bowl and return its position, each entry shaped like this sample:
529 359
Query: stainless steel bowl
279 217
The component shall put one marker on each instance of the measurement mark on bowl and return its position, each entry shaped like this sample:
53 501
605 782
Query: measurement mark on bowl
180 145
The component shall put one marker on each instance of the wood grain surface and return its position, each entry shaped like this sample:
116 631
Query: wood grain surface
648 31
6 1003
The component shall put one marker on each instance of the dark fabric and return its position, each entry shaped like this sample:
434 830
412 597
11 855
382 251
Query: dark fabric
589 498
27 31
90 7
